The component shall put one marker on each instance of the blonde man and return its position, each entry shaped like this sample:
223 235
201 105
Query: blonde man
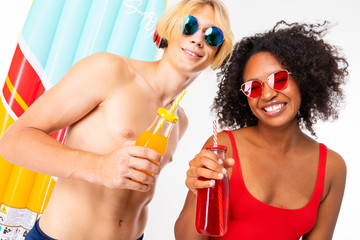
107 101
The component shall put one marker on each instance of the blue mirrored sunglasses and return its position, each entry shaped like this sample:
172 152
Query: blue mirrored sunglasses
213 35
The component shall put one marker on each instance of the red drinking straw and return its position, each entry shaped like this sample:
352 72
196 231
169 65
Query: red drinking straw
221 213
215 133
219 187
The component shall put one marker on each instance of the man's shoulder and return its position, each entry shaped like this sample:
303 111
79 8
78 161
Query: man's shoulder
107 61
182 117
115 63
109 66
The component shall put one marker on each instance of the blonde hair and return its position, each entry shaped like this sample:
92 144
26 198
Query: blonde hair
170 25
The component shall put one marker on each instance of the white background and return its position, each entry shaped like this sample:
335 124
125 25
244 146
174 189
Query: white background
247 18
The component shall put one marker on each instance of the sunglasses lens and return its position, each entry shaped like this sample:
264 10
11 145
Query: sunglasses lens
252 89
214 36
190 25
278 80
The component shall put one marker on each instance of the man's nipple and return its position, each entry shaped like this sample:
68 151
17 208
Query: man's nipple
127 133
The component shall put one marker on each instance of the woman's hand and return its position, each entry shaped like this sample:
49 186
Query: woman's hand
206 167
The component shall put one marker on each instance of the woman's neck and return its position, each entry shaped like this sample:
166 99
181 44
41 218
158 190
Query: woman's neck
279 139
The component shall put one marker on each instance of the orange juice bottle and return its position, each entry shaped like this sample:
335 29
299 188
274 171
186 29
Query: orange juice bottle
156 136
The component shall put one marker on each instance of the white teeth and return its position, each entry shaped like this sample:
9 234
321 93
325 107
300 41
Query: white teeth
191 53
274 107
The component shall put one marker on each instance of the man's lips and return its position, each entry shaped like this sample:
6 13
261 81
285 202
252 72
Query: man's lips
191 53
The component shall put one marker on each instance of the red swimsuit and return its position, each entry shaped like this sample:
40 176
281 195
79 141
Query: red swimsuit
251 219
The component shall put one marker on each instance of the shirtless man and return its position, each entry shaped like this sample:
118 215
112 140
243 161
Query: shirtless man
107 101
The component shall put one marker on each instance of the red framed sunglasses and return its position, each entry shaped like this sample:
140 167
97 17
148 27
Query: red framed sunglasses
277 81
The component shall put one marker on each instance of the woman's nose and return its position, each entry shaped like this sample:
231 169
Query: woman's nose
267 92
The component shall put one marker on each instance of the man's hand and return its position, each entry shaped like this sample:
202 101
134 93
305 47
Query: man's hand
124 168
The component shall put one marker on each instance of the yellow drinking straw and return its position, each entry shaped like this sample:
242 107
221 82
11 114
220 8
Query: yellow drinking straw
177 101
170 111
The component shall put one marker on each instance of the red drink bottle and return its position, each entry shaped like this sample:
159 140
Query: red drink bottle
212 207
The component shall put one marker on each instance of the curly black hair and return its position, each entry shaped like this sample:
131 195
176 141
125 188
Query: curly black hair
316 65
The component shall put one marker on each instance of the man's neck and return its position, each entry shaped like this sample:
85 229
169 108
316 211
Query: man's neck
168 82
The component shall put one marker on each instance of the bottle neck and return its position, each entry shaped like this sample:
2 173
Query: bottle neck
161 127
165 129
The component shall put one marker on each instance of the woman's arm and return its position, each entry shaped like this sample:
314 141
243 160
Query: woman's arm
329 208
205 164
185 224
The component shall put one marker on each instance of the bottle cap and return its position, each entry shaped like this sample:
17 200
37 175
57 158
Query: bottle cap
168 116
216 146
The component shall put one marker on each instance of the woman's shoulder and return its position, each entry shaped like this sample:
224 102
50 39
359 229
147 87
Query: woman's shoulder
237 133
335 164
335 174
224 138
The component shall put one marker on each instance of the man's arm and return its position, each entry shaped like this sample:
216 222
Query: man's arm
86 85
